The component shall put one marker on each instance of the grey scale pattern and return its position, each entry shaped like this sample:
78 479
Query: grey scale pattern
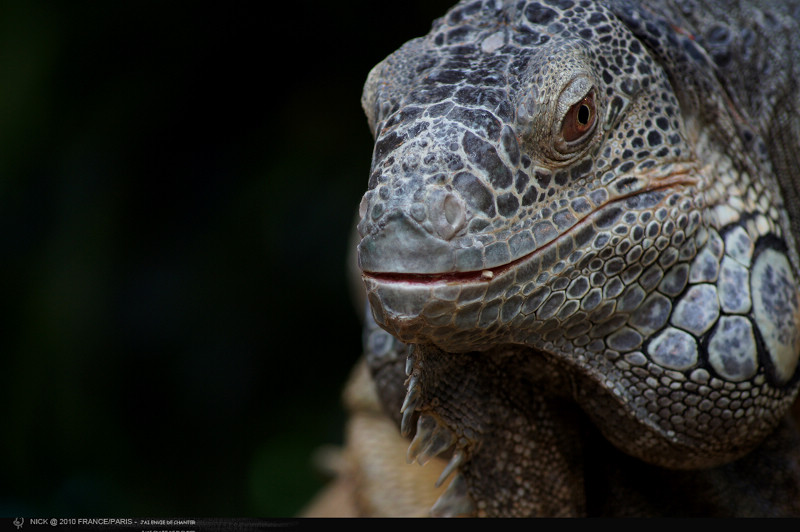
654 256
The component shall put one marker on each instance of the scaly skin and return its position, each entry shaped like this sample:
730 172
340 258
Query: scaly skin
581 220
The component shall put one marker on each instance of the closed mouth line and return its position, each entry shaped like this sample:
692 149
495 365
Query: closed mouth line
488 274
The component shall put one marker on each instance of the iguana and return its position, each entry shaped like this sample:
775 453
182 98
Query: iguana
579 253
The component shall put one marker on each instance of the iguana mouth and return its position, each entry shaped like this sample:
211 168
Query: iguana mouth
675 179
450 277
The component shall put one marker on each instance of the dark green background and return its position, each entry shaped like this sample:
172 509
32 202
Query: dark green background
176 189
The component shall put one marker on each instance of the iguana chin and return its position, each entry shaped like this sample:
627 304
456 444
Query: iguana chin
578 248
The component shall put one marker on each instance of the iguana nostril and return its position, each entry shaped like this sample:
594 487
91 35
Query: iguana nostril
448 214
453 212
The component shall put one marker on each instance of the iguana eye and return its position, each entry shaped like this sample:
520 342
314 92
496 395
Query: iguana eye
580 119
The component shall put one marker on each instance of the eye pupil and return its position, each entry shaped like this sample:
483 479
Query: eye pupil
583 115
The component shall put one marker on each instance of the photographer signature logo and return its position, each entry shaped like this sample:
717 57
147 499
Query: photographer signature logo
18 522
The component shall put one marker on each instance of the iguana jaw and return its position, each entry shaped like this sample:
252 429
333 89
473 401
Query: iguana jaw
434 307
681 175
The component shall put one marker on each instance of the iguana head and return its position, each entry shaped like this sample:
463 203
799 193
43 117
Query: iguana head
548 175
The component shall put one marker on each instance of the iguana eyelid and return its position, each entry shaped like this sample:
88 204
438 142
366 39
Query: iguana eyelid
576 129
564 146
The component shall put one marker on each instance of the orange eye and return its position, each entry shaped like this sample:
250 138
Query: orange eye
579 119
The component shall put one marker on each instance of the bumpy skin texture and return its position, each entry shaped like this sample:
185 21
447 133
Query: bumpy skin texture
579 229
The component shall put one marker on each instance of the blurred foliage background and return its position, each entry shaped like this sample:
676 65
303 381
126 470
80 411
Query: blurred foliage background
177 184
